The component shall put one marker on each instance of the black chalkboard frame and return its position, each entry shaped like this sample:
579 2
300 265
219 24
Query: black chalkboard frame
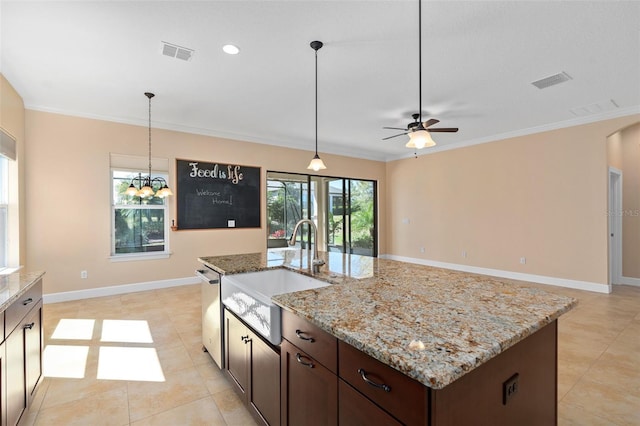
218 198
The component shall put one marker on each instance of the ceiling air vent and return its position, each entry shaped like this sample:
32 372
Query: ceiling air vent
175 51
596 108
552 80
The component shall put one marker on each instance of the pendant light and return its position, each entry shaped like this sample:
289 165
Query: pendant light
147 182
316 163
420 138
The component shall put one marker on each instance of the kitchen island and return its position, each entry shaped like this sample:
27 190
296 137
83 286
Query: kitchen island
472 341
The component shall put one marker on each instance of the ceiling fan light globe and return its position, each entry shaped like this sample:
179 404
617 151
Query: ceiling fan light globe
420 139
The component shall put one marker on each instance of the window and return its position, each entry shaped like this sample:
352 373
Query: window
4 209
344 211
139 225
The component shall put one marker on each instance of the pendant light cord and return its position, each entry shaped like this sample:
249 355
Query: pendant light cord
149 95
316 101
420 57
149 139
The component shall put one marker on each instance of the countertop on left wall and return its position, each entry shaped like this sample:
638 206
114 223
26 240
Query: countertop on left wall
14 285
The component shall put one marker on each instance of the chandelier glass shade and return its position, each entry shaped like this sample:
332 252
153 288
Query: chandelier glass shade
144 186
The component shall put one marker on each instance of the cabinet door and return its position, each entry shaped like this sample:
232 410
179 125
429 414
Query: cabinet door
237 365
33 349
265 380
309 390
16 383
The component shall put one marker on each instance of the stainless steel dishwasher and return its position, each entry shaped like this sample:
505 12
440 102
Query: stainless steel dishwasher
212 330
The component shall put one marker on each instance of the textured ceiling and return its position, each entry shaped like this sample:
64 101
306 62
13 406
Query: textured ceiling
96 59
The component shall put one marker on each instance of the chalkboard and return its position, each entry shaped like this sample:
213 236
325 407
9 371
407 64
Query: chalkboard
215 195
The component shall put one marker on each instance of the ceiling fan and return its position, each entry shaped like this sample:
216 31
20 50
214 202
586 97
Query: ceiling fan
418 131
416 125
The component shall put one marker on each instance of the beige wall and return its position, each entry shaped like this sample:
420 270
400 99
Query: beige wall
12 122
68 201
541 196
630 149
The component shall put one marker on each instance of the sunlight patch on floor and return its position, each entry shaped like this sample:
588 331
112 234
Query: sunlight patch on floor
128 363
65 361
126 331
74 329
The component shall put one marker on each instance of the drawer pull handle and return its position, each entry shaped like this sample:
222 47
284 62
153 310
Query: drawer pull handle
306 364
29 326
382 386
245 339
27 301
300 336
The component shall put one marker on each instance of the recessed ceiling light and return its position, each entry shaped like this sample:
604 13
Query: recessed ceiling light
231 49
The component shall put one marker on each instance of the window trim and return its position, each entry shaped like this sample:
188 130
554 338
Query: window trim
4 205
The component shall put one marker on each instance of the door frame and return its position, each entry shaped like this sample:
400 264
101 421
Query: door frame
614 214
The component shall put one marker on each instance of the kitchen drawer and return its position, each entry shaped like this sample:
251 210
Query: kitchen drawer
21 307
311 339
401 396
356 409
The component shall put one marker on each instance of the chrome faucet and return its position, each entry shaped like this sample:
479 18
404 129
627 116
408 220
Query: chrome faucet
316 263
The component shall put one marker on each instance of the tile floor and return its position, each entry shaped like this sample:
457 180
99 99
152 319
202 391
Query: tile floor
159 331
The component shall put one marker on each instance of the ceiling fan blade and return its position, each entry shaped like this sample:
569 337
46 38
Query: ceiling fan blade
445 129
394 136
395 128
430 122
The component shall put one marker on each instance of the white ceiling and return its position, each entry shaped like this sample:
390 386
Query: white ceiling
96 59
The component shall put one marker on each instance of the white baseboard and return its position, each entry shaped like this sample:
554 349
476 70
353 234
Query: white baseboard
540 279
630 281
117 289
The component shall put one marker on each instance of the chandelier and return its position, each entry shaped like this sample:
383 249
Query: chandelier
146 184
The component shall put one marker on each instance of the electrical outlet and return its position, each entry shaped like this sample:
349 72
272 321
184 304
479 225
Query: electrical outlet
464 254
83 274
421 249
509 389
523 260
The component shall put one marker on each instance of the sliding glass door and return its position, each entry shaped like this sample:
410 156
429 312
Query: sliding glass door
344 211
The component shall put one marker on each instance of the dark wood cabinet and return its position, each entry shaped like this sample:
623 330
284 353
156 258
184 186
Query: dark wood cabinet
264 396
21 354
16 380
254 368
365 391
33 344
309 365
309 389
237 352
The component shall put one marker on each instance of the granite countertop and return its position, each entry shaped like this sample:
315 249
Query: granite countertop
14 285
432 324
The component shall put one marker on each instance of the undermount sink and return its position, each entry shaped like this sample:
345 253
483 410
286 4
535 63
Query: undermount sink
249 296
